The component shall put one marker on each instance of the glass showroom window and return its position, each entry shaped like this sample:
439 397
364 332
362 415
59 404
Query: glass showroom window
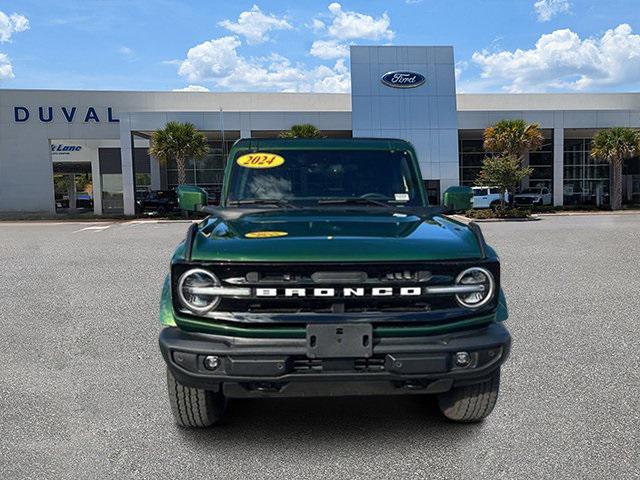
542 163
206 173
472 155
635 188
586 180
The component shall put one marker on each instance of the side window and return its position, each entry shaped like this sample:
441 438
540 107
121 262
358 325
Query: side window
480 192
495 191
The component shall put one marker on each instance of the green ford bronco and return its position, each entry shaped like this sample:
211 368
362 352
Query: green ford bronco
324 272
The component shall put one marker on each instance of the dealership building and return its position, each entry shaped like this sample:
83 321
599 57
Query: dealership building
64 151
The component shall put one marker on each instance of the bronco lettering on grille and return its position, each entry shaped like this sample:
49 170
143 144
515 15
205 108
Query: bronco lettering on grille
339 292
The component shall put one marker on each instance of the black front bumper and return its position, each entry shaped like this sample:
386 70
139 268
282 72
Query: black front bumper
280 367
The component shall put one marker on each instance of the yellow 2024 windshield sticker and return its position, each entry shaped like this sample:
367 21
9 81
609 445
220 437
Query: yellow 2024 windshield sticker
260 160
266 234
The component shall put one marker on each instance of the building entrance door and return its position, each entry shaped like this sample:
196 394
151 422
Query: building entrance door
73 187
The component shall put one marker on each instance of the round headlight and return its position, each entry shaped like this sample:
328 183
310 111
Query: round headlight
195 290
479 278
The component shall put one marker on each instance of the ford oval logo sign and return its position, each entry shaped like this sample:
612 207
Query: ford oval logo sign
403 79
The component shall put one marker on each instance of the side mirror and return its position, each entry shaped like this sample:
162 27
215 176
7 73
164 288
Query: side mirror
191 198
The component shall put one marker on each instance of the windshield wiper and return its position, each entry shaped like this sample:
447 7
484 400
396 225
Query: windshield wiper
280 202
355 201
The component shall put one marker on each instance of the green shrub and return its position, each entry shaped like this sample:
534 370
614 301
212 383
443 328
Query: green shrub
506 212
480 213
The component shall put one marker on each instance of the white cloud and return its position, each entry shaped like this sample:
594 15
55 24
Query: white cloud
329 49
6 70
192 88
345 26
547 9
219 62
254 25
126 52
211 59
316 25
561 60
10 24
459 68
351 25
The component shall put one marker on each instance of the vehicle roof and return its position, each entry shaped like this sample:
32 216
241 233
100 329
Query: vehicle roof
324 143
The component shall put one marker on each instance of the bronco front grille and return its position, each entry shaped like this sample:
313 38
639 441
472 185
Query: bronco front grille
353 288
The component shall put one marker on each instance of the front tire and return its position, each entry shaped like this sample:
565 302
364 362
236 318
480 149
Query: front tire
194 407
471 403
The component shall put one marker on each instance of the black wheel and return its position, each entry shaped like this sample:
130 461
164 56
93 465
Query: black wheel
472 403
494 205
194 407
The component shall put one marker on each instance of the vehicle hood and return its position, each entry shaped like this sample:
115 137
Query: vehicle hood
334 236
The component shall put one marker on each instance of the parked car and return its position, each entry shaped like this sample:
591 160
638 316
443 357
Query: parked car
158 201
533 196
62 201
84 200
487 197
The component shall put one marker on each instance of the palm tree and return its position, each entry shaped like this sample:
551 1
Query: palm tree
513 138
178 141
305 130
615 145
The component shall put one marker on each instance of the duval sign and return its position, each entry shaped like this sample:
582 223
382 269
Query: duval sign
402 79
66 114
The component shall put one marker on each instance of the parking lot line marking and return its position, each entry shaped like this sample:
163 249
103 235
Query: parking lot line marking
95 228
135 223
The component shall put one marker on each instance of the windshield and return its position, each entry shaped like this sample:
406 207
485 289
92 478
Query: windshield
309 176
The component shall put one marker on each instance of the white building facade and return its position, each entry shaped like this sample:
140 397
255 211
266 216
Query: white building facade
87 150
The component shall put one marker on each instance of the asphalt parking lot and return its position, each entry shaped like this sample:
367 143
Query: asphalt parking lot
82 385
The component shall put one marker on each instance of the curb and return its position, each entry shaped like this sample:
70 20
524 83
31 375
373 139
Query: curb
73 221
466 220
495 220
571 214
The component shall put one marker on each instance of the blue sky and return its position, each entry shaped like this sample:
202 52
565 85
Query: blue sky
273 45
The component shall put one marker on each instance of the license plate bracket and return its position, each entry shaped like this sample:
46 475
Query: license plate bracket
339 340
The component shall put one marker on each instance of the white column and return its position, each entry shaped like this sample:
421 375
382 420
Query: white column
245 124
96 181
126 159
558 165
